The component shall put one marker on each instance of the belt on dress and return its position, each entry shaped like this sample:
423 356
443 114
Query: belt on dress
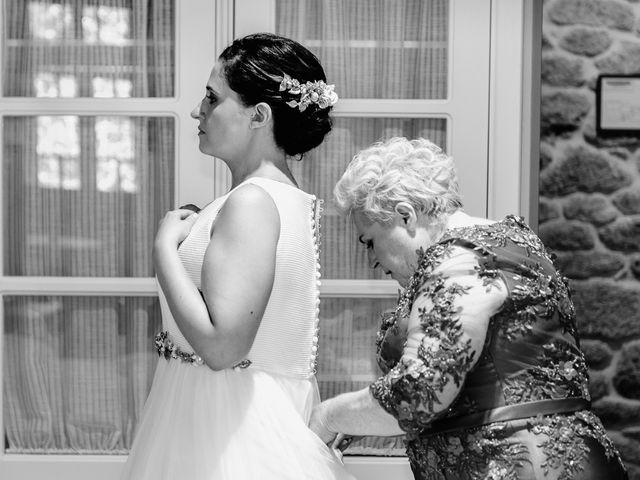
508 413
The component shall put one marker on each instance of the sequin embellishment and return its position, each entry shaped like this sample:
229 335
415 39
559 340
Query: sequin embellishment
167 349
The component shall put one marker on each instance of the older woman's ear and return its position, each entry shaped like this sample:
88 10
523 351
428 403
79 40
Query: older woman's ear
407 213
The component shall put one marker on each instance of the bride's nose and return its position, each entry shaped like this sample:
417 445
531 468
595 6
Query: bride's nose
195 113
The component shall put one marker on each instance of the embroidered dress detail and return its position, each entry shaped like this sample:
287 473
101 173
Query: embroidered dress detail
167 349
246 363
512 406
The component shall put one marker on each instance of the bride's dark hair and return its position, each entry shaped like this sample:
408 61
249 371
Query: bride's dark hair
253 67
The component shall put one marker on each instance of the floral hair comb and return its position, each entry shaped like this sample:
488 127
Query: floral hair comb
316 92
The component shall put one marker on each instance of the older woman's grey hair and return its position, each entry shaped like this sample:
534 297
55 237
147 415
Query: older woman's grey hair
399 170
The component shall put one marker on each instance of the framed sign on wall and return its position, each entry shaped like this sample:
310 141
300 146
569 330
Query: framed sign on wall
618 105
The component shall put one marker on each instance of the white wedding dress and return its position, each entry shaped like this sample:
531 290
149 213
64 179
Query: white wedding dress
248 422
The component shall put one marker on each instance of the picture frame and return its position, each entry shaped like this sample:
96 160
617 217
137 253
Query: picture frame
618 105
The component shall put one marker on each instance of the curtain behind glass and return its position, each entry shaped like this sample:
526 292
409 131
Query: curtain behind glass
88 48
83 195
77 372
374 48
371 49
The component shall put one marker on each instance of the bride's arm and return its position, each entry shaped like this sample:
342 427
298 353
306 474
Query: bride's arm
237 278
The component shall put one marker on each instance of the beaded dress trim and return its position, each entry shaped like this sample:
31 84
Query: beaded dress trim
316 213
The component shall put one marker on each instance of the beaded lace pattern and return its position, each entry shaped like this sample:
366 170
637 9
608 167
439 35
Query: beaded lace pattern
538 304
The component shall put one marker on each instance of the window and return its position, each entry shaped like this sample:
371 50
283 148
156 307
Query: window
96 145
398 72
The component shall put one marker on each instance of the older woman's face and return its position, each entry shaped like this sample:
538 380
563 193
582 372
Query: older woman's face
390 246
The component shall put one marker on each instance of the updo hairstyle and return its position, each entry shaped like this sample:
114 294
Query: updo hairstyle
399 170
254 66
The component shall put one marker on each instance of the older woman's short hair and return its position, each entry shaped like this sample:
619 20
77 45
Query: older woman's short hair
399 170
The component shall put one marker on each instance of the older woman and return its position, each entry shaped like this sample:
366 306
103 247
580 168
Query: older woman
481 363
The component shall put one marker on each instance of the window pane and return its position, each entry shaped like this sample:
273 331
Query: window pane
342 257
381 49
83 48
83 195
77 371
347 360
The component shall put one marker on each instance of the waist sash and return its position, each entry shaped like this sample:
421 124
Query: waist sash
508 413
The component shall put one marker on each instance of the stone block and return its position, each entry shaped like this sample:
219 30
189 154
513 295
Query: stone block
632 432
622 235
627 200
624 60
583 170
597 354
563 111
547 211
562 71
598 386
607 13
563 235
606 309
633 471
616 414
583 265
627 377
613 144
629 449
546 155
586 41
634 265
593 208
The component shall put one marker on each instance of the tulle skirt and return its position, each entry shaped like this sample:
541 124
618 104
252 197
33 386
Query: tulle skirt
235 424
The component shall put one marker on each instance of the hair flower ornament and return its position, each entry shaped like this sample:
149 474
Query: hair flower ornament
316 92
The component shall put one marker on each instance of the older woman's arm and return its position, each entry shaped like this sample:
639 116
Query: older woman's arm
447 330
353 413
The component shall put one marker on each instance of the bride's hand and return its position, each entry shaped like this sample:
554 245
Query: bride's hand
174 228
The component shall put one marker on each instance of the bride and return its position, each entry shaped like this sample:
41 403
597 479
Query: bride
235 385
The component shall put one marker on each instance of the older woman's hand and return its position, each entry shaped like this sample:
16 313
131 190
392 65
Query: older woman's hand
318 423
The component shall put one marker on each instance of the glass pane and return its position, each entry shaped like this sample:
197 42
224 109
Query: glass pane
347 360
341 256
382 49
84 48
83 195
77 371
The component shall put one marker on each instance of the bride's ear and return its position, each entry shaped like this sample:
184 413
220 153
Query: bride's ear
261 115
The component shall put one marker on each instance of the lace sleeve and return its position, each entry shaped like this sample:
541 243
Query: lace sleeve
447 327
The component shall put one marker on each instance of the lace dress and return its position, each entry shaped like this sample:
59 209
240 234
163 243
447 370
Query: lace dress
248 422
495 386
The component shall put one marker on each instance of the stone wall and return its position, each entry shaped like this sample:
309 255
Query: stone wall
590 200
